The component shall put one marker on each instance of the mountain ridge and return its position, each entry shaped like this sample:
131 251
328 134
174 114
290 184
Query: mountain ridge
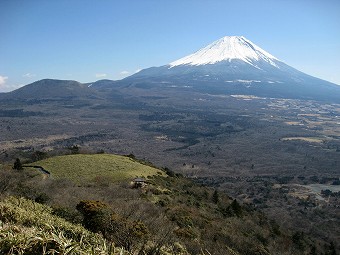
220 66
51 89
230 65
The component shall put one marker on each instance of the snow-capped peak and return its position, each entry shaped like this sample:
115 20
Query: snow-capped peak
226 49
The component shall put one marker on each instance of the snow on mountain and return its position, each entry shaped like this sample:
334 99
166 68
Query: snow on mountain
235 65
227 49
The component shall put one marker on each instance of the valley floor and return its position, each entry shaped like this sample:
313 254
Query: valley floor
270 153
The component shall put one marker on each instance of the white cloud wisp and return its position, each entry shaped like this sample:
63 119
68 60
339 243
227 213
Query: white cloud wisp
3 80
101 75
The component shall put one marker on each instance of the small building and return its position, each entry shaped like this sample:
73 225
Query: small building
139 183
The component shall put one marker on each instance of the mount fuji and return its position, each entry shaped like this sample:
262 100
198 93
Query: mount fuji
235 65
227 49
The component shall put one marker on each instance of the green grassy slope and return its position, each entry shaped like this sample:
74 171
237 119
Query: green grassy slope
81 167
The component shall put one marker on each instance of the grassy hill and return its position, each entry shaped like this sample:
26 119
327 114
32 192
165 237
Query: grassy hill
170 215
82 167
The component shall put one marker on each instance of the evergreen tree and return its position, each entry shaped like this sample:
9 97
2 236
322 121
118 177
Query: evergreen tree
331 250
215 197
237 209
17 165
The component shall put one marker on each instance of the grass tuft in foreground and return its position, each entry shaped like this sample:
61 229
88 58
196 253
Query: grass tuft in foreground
28 228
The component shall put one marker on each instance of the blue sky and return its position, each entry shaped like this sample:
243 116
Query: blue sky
87 40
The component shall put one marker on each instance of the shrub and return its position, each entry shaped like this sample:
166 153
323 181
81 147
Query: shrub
99 218
42 198
17 165
39 155
234 209
215 197
185 233
67 214
96 215
169 172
